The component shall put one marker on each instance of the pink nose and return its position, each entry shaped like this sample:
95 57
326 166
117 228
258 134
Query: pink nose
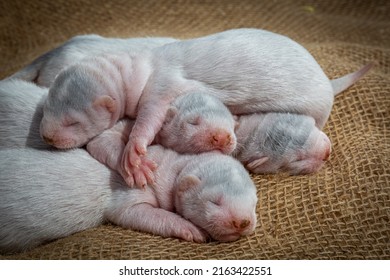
241 225
221 139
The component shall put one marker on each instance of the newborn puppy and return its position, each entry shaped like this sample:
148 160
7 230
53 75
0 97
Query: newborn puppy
269 73
225 184
45 68
21 105
274 142
45 195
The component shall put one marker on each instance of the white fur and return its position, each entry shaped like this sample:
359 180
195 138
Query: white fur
194 122
281 142
45 195
249 70
191 125
217 177
45 68
224 197
21 111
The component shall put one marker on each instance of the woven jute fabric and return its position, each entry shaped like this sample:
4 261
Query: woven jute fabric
341 212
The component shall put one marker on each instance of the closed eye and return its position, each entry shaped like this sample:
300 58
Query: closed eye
194 121
73 123
216 202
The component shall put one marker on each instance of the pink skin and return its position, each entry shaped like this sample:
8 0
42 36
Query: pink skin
190 126
33 212
198 196
145 85
195 123
146 211
109 145
209 181
278 142
45 68
206 65
91 96
94 102
225 210
210 190
311 149
96 198
97 95
105 98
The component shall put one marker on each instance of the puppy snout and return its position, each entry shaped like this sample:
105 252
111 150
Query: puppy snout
241 225
221 139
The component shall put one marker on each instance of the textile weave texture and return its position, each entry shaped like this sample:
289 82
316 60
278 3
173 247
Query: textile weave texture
341 212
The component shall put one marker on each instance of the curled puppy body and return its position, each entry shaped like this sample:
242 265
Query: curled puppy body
45 68
21 111
281 142
269 73
46 195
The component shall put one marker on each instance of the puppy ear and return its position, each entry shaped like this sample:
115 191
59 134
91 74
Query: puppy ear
171 113
106 102
188 182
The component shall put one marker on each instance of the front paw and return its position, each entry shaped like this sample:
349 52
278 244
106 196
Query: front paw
137 169
191 233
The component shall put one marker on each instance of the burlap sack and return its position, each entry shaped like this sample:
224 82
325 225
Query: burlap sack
342 212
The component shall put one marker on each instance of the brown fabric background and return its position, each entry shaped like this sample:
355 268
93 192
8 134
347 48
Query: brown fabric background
342 212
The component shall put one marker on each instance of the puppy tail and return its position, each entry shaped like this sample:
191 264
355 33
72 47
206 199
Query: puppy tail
344 82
